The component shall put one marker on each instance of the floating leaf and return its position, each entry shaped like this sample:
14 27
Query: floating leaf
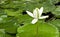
2 33
56 23
38 30
57 11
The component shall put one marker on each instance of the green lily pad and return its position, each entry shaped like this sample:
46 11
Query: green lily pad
8 35
59 34
24 19
57 11
48 6
56 23
9 24
11 27
38 30
12 13
47 30
2 33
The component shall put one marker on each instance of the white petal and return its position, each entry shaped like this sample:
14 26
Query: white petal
35 13
29 13
40 11
43 17
34 21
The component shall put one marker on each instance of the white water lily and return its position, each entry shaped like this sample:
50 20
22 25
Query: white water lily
37 14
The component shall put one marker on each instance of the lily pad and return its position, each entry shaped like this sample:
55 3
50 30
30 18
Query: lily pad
38 30
11 27
57 11
12 13
24 19
9 24
9 35
56 23
2 33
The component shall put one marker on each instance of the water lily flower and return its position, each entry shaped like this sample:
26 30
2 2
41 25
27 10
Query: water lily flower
37 14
